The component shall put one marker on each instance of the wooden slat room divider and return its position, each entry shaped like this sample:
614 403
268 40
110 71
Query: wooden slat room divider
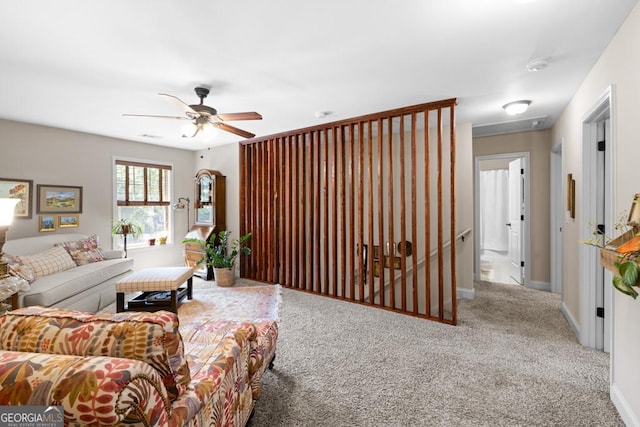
361 209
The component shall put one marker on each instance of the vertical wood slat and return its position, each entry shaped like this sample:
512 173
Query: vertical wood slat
414 213
360 252
314 242
254 222
266 202
342 209
390 211
452 155
440 220
316 251
352 225
302 220
260 213
272 191
295 196
254 202
403 224
288 222
427 213
380 213
334 212
325 275
370 209
281 213
311 231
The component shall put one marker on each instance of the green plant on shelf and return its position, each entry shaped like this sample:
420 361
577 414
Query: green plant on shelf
628 262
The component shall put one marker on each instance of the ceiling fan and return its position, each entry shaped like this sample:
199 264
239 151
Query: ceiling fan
202 116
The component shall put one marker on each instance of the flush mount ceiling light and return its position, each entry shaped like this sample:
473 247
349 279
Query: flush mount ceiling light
516 107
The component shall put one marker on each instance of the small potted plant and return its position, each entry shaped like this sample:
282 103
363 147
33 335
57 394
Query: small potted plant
221 256
125 227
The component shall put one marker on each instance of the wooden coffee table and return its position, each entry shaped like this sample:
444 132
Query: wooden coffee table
159 289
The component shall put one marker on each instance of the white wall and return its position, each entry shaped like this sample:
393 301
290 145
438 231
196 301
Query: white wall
620 66
60 157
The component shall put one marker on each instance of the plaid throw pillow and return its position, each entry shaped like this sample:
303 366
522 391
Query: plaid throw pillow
84 251
48 262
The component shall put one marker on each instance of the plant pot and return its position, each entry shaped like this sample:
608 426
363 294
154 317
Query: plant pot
224 276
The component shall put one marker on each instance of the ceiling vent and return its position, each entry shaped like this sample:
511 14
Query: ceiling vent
523 125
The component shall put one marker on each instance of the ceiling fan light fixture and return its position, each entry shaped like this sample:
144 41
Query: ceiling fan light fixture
516 107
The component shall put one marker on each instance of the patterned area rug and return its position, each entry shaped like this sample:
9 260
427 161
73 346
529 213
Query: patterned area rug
234 303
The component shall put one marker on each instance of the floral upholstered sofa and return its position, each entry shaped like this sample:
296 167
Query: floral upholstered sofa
140 369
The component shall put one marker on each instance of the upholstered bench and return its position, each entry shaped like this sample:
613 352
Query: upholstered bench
151 281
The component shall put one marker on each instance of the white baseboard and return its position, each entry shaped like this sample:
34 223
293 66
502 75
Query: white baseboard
541 286
624 409
570 319
466 293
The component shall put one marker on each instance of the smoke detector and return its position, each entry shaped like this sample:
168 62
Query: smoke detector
323 114
538 64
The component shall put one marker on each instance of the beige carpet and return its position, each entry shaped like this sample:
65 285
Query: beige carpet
512 361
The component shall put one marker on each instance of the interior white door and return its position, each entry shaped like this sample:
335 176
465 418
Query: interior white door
602 332
516 217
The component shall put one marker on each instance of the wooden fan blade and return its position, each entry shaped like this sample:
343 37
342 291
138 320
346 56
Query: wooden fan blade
232 129
184 105
157 117
251 115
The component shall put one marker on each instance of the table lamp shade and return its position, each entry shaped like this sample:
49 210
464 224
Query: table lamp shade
7 207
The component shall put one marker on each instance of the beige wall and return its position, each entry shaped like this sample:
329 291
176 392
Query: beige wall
464 207
59 157
620 66
538 144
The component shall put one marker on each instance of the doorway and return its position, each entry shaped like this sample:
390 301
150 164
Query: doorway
597 205
557 216
501 252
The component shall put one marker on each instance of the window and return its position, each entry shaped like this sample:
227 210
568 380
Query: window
143 195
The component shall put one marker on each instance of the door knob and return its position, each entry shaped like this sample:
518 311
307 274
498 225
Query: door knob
508 224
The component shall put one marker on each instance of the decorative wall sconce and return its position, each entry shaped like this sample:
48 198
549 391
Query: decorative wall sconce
183 203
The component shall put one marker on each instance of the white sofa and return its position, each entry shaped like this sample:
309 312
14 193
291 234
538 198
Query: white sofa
88 287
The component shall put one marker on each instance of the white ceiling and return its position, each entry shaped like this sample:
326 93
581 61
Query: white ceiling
80 65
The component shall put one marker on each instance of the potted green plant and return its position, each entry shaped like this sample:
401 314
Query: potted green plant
621 255
221 255
125 227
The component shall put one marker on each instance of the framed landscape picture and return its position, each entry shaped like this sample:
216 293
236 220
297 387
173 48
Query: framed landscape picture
65 221
18 189
59 199
47 223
